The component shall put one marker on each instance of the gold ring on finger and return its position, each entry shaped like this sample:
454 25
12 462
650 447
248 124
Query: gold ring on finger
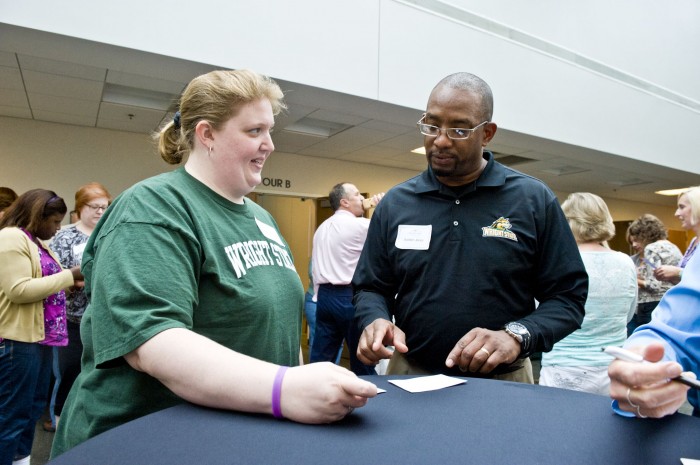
488 354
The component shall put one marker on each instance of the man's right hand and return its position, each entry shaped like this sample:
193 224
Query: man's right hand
376 336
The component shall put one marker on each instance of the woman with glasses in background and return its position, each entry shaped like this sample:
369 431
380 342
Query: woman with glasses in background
91 201
32 316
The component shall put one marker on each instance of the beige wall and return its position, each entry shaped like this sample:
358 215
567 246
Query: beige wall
63 157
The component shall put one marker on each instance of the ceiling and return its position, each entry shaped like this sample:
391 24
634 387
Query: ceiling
70 81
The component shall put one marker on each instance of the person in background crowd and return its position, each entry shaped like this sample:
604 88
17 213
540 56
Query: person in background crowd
670 341
576 362
310 312
91 201
688 212
7 196
32 316
338 242
648 237
459 254
193 294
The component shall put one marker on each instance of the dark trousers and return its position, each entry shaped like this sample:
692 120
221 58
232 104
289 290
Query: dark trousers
25 374
642 317
68 364
334 322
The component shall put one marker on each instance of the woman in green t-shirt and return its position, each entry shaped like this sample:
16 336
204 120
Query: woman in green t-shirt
193 291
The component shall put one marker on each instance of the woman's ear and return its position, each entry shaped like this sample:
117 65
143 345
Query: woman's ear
204 133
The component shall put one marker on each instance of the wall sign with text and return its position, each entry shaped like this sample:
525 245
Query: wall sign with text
276 182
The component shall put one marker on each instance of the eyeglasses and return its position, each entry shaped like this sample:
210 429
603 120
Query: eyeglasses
452 133
96 207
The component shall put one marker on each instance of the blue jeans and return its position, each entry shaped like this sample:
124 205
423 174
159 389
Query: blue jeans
334 322
310 312
25 374
56 383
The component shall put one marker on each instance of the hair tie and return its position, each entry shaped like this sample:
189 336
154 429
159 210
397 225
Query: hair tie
176 120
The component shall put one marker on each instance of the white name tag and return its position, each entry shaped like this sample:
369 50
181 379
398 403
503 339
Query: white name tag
78 251
269 232
414 237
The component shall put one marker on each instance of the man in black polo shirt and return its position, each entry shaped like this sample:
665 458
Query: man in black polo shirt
474 261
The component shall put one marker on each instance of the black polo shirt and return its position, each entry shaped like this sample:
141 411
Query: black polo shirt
495 247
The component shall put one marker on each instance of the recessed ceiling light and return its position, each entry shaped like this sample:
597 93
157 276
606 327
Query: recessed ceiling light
629 182
316 127
563 170
673 192
143 98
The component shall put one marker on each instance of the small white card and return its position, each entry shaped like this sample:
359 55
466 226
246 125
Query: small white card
269 232
690 462
414 236
427 383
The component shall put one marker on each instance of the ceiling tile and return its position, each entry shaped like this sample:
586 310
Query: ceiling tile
64 118
15 112
8 59
335 117
13 98
144 120
145 82
61 68
63 86
11 78
70 106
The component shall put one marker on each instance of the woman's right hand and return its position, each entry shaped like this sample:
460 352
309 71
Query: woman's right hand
322 393
77 275
668 273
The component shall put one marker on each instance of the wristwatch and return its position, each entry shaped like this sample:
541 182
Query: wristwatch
521 334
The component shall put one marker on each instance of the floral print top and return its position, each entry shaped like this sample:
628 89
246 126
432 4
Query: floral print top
657 253
68 244
56 333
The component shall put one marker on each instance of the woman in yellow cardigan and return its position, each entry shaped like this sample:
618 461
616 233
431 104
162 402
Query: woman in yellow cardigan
32 315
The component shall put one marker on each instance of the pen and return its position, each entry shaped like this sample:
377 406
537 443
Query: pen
629 356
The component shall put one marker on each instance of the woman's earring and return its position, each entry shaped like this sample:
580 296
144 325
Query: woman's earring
210 150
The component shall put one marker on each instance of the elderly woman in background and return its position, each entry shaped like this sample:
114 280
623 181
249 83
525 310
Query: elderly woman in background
91 201
32 316
688 212
576 361
648 237
7 196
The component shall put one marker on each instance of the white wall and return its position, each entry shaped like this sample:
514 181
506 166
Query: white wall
62 158
638 98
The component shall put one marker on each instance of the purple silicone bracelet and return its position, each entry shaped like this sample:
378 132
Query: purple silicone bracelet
277 393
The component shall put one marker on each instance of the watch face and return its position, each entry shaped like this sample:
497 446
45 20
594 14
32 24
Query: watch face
517 328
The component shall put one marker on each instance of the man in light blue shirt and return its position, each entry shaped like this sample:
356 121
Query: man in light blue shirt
672 339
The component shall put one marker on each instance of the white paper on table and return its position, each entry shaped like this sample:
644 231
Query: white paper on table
690 462
427 383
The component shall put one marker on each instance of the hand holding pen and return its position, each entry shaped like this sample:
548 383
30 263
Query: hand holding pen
647 386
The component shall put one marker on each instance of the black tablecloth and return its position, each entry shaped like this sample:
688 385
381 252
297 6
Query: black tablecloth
481 422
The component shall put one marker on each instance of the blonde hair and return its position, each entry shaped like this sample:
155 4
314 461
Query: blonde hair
693 197
589 217
214 97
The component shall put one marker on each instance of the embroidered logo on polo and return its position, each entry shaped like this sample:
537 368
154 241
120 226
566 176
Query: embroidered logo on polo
499 228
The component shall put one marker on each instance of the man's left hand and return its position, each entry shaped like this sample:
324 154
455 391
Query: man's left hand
481 350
